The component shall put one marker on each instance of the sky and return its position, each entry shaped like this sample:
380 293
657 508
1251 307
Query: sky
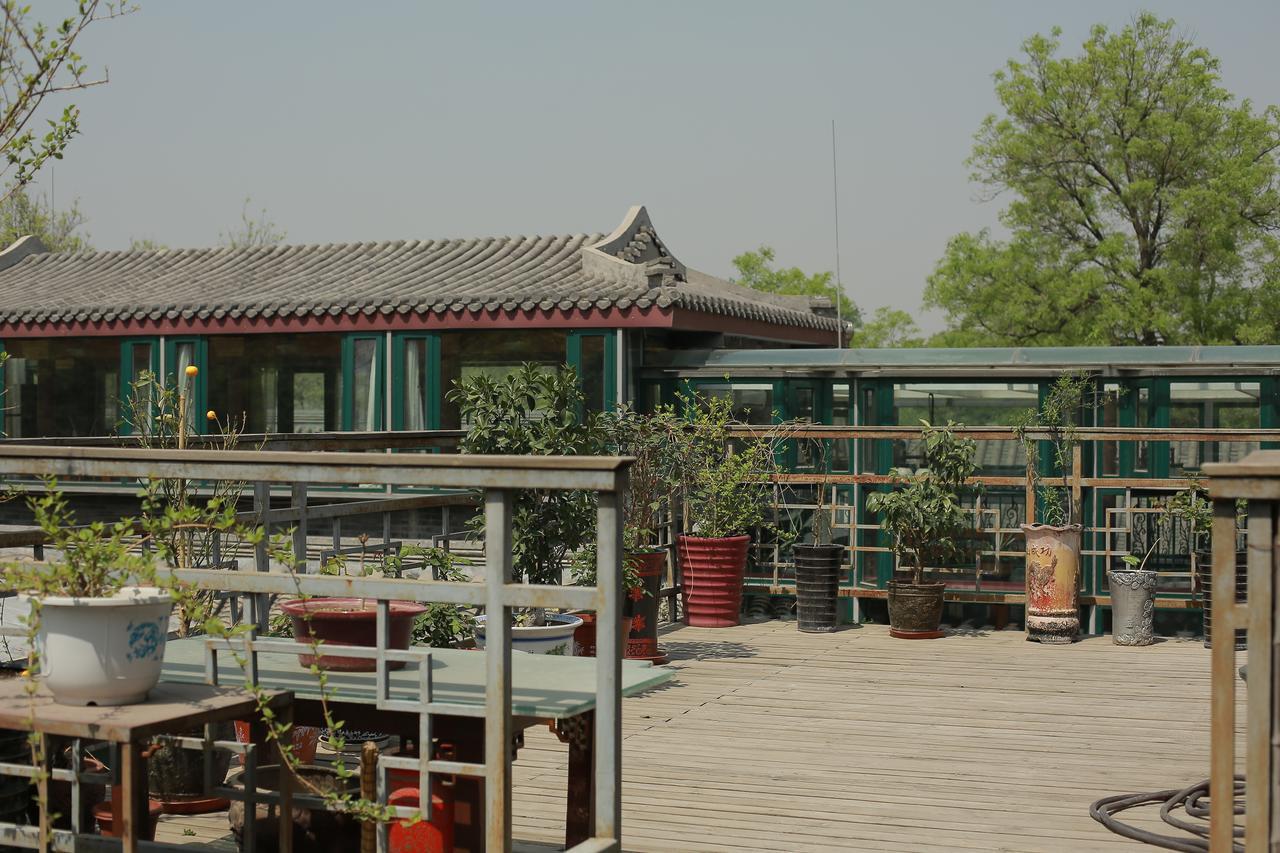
392 120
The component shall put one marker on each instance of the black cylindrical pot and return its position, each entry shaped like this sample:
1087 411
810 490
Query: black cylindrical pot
1204 570
817 586
915 610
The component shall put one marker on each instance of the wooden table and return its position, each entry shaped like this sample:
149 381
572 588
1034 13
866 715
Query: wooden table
171 708
545 689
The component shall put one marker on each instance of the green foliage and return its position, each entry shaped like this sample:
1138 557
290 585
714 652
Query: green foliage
1144 202
1058 420
145 244
889 327
60 230
924 514
37 61
252 233
651 439
724 480
1191 506
756 270
534 412
582 568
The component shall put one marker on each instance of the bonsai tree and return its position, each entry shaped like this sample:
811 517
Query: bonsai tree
924 514
1058 417
535 411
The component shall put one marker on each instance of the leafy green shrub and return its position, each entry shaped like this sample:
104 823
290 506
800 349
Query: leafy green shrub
924 514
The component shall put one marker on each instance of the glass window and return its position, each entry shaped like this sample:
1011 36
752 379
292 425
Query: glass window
62 387
1223 405
808 451
277 383
752 402
1142 449
1109 416
840 417
971 404
592 368
413 371
497 353
365 381
184 355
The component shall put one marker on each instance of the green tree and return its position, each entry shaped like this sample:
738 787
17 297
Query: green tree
145 244
756 270
889 327
1144 201
60 230
37 61
252 233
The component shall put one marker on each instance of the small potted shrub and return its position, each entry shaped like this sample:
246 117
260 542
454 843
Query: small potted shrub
1053 545
1192 508
925 517
726 486
818 571
535 411
351 621
99 615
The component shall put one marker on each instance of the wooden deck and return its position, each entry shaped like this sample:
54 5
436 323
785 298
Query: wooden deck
775 740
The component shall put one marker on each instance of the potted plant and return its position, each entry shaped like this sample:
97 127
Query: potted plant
925 517
351 621
1133 592
725 482
99 615
818 566
1053 545
1192 508
535 411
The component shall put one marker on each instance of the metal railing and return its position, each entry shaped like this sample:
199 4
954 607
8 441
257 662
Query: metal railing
497 478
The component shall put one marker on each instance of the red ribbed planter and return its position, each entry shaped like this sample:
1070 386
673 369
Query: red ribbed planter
712 575
350 622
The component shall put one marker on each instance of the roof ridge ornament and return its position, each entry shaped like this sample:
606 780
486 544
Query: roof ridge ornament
634 253
21 248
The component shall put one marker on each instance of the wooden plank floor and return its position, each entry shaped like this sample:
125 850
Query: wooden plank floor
770 739
775 740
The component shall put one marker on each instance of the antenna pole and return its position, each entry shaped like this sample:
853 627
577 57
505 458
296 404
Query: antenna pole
835 192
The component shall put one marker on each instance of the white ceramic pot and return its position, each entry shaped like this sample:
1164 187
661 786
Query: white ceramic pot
554 638
103 651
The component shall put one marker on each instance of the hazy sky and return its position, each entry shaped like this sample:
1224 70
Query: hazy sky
381 120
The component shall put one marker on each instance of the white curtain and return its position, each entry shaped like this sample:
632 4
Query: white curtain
415 402
186 356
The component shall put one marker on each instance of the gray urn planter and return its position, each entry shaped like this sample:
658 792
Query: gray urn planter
1133 595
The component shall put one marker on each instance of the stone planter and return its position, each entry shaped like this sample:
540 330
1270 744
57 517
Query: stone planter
817 586
1053 582
1133 606
915 610
175 776
103 651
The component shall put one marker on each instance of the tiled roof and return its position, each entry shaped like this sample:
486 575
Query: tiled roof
629 267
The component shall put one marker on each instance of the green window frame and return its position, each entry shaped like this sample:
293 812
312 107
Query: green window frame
198 402
130 368
429 378
372 346
574 357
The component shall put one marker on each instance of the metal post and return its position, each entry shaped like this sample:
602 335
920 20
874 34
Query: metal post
1223 709
262 559
497 718
608 734
1260 705
298 501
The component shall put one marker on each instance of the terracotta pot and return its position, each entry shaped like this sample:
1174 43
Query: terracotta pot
110 816
350 622
640 608
584 636
915 610
817 586
712 572
1053 582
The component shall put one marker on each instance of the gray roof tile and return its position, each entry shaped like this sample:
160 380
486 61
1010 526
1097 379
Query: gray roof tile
629 267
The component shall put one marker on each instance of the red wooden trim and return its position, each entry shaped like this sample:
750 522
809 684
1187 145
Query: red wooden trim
705 322
652 317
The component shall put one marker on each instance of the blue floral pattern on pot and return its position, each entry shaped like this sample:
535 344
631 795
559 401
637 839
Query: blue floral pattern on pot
146 640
